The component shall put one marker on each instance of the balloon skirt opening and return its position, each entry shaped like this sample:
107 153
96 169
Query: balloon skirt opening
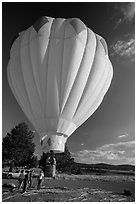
55 143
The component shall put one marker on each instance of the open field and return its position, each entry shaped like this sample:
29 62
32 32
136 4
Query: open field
76 188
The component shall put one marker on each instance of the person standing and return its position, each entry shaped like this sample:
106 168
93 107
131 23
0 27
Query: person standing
30 178
53 164
40 180
54 168
21 178
26 180
48 161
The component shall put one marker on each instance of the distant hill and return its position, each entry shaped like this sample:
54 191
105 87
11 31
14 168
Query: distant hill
123 167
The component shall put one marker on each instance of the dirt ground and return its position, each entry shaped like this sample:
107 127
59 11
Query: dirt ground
76 188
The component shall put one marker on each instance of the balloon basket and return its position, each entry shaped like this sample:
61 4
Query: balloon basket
50 171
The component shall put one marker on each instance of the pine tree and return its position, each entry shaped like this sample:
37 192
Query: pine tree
18 147
64 158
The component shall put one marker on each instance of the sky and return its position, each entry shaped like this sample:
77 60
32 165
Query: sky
108 136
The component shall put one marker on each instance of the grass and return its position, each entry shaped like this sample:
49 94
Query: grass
77 188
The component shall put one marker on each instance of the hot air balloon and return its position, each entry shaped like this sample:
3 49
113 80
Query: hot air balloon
59 72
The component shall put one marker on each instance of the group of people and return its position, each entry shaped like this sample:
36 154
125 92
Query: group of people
25 180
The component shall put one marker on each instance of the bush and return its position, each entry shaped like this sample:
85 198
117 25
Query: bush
127 192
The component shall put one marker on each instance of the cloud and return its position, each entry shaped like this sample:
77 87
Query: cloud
126 146
117 153
125 12
124 48
123 136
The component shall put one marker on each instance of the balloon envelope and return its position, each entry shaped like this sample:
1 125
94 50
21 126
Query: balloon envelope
59 72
